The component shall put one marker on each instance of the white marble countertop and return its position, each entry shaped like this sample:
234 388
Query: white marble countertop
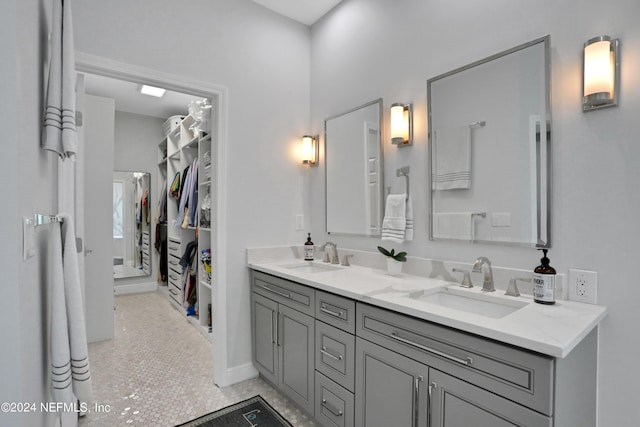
549 329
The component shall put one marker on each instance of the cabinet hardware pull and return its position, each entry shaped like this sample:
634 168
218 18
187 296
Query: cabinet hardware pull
282 294
416 398
173 292
467 361
278 329
334 411
331 312
326 353
272 327
432 386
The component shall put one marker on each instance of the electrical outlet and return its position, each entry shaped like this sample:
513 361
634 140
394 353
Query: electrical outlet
299 222
583 286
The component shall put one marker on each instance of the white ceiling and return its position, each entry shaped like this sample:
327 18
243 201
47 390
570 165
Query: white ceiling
305 11
128 98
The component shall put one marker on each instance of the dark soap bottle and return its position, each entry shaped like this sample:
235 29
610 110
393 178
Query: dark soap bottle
308 248
544 279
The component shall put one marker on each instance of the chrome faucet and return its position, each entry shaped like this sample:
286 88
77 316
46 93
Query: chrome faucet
483 265
335 259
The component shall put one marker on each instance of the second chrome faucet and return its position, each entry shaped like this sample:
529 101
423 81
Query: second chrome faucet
483 265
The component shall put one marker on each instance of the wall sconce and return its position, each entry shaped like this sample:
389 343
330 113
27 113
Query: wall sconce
600 66
310 150
401 124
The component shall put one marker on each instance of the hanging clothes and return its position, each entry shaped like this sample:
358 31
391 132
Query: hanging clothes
193 195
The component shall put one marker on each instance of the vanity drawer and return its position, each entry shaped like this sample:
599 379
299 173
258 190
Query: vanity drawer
291 294
334 404
335 354
336 311
511 372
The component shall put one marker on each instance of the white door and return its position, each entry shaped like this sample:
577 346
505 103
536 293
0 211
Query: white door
97 200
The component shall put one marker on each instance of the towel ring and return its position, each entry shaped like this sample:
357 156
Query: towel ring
404 172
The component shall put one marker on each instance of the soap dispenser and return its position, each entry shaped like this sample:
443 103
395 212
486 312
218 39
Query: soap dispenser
544 279
308 248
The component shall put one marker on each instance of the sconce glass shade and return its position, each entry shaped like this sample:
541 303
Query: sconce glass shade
401 126
600 73
309 150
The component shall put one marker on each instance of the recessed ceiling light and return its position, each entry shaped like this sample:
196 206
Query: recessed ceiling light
152 91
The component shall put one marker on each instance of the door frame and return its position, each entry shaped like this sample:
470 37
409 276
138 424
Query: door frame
219 97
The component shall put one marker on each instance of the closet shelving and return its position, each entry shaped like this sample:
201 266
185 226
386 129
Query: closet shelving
181 147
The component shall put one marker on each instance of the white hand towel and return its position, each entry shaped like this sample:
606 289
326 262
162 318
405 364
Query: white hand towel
452 158
60 352
453 225
75 313
60 133
408 233
394 223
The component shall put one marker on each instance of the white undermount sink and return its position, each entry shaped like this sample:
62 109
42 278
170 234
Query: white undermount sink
483 304
311 267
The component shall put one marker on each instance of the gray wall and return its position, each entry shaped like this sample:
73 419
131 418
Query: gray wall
263 60
136 143
377 48
30 178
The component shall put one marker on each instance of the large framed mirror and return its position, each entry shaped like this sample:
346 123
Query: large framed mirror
489 149
354 173
131 224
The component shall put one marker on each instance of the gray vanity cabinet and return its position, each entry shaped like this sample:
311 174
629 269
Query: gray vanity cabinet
265 350
390 388
284 336
455 403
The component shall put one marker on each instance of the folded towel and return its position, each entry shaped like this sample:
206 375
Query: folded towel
408 233
60 133
452 158
394 224
453 225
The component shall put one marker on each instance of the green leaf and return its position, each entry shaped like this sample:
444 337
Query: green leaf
401 256
383 251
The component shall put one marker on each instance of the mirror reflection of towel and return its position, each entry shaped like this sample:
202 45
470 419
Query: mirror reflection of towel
452 158
453 225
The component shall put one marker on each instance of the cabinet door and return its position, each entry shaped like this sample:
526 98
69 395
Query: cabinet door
390 388
296 340
456 403
263 315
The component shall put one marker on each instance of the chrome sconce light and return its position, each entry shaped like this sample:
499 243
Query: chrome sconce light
310 150
401 124
601 70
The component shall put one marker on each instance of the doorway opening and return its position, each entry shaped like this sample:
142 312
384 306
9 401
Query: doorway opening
107 72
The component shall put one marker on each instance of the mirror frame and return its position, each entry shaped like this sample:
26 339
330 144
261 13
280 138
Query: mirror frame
546 42
380 103
150 229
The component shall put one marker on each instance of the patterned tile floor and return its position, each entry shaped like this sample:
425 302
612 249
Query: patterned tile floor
158 371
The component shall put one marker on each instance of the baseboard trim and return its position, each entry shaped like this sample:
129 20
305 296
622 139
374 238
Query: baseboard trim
237 374
135 288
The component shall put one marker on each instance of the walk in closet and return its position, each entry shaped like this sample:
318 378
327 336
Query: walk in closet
186 159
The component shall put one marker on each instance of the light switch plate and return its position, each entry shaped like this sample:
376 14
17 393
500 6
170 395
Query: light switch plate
299 222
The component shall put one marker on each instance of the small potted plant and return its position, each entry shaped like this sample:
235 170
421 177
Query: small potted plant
394 260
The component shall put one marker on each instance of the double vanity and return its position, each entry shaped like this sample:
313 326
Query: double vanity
353 346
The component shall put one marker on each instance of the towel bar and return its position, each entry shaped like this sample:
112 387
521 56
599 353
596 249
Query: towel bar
478 123
39 219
